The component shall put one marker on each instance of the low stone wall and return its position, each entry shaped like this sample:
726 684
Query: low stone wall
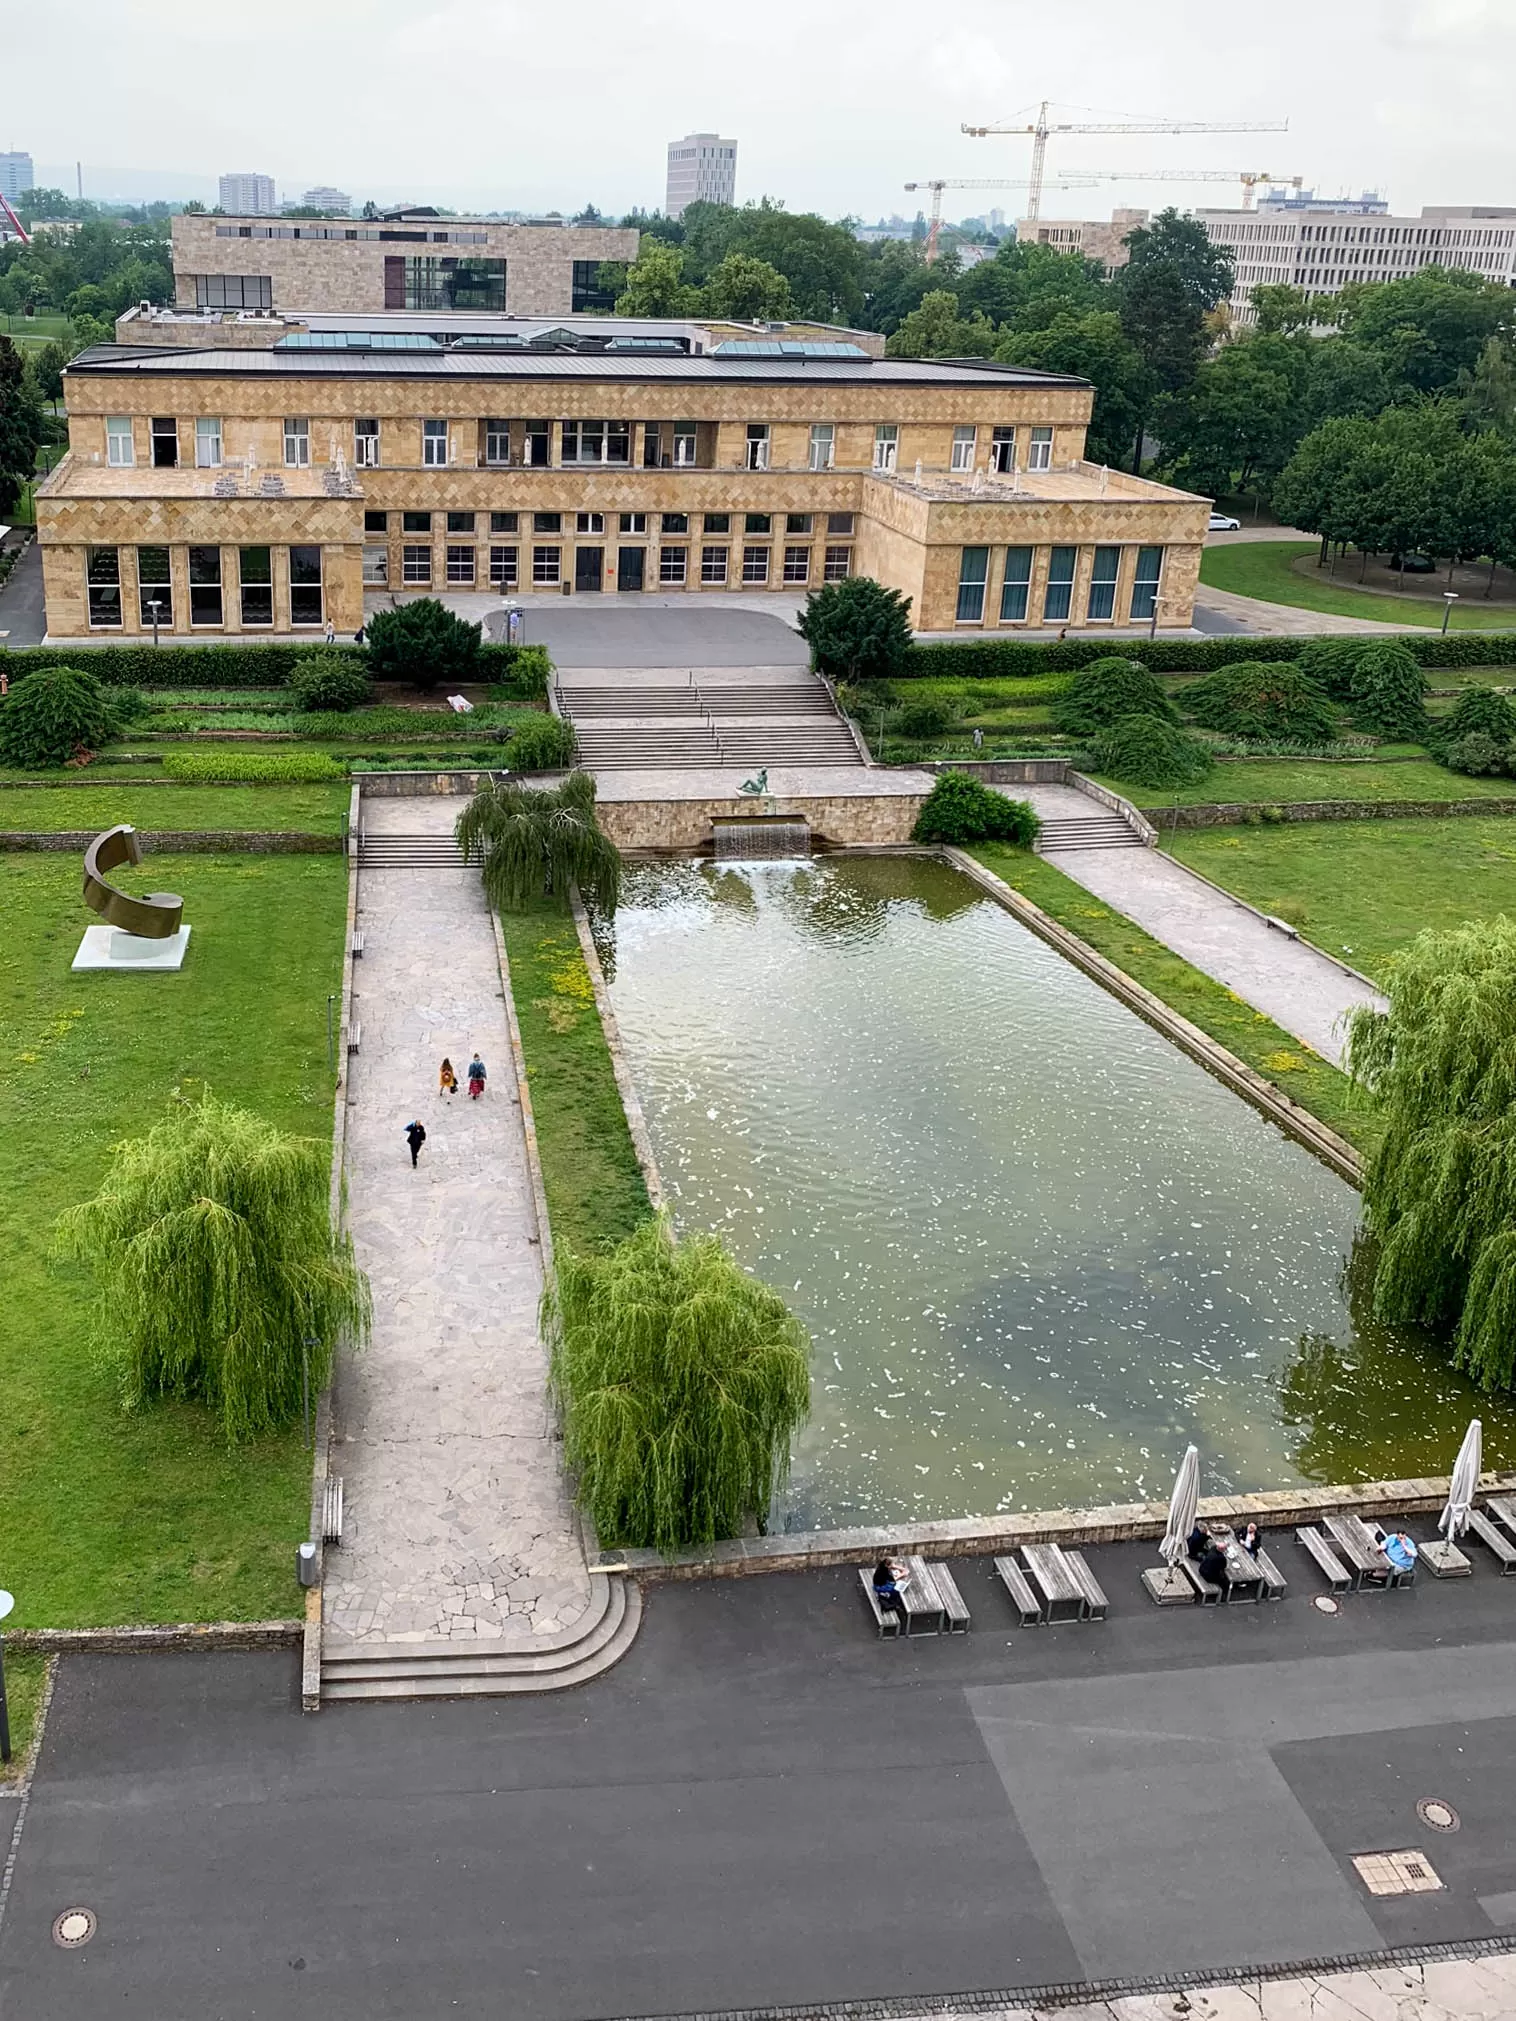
1002 771
183 842
134 1641
1232 814
882 820
418 785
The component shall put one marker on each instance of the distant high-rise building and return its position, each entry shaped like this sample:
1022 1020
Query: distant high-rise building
702 169
16 176
248 196
325 198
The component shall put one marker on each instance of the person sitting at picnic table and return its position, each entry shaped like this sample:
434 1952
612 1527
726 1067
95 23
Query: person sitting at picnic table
1212 1567
1197 1542
1252 1540
1400 1550
889 1578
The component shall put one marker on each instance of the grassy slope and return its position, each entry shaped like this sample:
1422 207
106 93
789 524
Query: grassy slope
109 1518
1277 1055
1262 568
1363 890
594 1184
24 1676
1270 782
311 810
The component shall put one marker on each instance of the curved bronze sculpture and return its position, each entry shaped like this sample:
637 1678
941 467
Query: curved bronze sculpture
156 917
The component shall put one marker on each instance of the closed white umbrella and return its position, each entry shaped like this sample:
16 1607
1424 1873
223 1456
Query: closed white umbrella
1465 1484
1183 1503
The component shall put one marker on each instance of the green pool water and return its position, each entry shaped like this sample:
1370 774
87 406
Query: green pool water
1038 1248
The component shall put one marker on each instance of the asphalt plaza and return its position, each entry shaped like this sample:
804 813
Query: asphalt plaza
763 1805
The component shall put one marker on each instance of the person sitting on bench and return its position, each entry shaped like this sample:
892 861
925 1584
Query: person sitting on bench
888 1580
1197 1542
1252 1540
1212 1566
1400 1550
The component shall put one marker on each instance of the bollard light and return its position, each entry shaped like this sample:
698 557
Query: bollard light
305 1564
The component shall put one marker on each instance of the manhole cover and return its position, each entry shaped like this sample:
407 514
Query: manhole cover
1325 1604
73 1928
1439 1815
1407 1873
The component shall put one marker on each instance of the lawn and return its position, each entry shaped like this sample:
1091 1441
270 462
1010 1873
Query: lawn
595 1191
1263 568
1255 1039
108 1517
24 1678
309 810
1362 889
1273 782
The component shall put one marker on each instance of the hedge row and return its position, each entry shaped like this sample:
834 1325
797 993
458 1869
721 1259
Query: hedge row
213 666
990 659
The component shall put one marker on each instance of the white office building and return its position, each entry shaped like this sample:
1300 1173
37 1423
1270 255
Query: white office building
1323 246
325 198
248 196
16 176
702 169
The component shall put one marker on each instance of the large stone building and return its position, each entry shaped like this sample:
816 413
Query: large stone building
1101 239
237 491
406 260
702 168
248 196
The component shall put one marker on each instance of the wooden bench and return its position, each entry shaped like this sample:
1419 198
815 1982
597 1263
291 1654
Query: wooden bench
1328 1563
1095 1603
357 945
955 1611
354 1036
1206 1595
1018 1586
1494 1540
1273 1579
886 1620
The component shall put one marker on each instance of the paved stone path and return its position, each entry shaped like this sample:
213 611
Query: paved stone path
1292 983
458 1525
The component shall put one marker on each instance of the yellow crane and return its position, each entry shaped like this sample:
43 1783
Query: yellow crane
1041 129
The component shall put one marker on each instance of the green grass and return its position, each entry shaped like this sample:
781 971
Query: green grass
1363 889
1262 568
1272 782
310 810
25 1675
1276 1054
108 1517
595 1190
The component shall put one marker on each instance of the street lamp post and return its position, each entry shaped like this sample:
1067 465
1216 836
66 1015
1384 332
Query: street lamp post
1449 598
155 604
7 1601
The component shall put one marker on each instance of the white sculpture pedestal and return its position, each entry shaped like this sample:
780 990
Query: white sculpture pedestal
109 947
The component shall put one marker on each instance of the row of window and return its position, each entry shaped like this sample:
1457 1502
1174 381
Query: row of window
1058 585
595 522
599 443
716 564
253 589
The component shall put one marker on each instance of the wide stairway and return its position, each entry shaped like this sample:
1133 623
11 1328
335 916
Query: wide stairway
1085 831
647 718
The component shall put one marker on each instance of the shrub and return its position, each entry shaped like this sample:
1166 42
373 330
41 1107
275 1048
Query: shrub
1105 691
51 715
225 765
929 717
185 666
1331 663
1147 751
545 744
857 629
1477 712
1388 692
333 684
1479 752
423 643
538 840
1268 699
527 677
960 808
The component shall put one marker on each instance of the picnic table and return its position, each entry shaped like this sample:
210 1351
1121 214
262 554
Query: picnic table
1061 1591
1245 1579
924 1611
1367 1564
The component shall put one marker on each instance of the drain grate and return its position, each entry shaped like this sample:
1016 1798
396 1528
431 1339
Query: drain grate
1407 1873
1325 1604
73 1928
1439 1815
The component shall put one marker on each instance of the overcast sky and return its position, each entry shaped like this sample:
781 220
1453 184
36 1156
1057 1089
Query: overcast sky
514 104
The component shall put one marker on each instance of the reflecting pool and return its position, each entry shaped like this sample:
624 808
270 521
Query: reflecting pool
1038 1248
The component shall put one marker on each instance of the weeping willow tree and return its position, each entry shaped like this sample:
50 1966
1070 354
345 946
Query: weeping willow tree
215 1259
538 840
680 1380
1440 1194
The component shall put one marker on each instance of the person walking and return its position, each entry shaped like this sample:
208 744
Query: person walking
475 1078
415 1136
447 1080
331 632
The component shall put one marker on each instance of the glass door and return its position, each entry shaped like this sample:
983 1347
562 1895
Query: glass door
589 568
630 563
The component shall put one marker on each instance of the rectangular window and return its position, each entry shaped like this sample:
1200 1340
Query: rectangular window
537 444
103 573
755 564
503 522
686 443
1103 574
713 564
416 565
376 567
886 445
973 573
797 522
205 585
673 562
652 445
366 444
460 565
545 564
674 522
797 564
1003 451
839 522
255 573
306 607
718 522
207 444
823 444
375 522
1145 580
589 522
964 441
587 297
1040 452
838 564
165 434
547 522
430 281
460 522
1016 588
1059 596
757 445
503 567
233 291
634 522
415 522
597 442
434 444
118 441
497 441
297 444
155 595
757 522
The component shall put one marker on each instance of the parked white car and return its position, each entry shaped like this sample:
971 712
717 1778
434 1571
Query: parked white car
1220 523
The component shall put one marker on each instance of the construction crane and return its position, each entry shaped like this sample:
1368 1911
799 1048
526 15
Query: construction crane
20 229
1082 178
1041 129
938 183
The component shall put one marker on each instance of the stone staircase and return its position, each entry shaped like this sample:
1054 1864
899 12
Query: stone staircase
1086 831
480 1669
395 851
683 720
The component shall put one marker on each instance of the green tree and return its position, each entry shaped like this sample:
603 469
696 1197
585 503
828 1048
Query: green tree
1147 751
1238 421
822 262
47 365
895 278
1182 247
680 1380
216 1260
1489 390
538 840
1388 692
857 630
53 713
655 284
422 643
1439 1195
1430 327
1342 378
20 425
1029 286
747 290
1092 346
1173 280
1271 701
1279 310
936 330
960 808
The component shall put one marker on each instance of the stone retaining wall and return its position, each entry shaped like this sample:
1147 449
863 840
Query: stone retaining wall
184 842
236 1635
679 827
1232 814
